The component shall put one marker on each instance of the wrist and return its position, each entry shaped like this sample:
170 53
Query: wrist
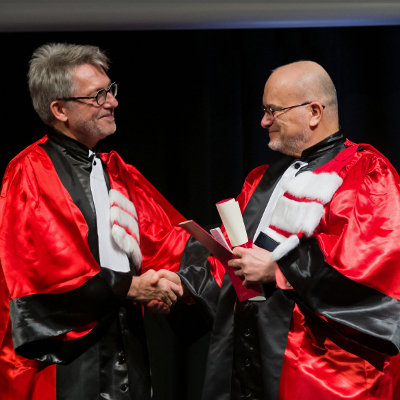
270 274
134 288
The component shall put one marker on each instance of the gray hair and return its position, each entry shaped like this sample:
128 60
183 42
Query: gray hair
51 72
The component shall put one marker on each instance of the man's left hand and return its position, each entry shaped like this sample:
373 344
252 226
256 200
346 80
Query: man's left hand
254 265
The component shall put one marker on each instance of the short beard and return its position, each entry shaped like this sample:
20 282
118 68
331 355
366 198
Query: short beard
91 129
291 146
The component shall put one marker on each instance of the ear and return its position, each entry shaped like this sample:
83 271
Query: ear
316 113
59 111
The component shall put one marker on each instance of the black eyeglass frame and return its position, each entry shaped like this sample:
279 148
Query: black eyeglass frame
112 86
271 111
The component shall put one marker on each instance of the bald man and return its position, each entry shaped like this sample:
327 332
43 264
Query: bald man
326 227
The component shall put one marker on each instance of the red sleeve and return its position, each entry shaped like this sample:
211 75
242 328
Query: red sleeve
360 233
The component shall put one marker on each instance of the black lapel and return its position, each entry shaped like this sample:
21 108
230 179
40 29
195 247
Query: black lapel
323 159
71 182
277 310
258 202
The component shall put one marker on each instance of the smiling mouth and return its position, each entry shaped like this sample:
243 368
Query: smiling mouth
107 116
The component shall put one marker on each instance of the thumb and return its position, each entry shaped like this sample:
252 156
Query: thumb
163 273
238 251
154 278
171 276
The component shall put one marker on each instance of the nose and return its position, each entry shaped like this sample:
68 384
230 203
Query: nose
111 101
267 121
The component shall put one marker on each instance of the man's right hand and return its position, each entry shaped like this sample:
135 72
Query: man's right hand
163 287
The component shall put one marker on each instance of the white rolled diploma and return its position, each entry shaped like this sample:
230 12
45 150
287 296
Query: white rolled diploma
231 217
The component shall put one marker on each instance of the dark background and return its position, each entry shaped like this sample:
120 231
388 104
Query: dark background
189 120
189 101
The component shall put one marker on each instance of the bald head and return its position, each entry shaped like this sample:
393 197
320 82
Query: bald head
306 93
308 81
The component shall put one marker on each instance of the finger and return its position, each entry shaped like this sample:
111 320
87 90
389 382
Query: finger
154 305
159 307
166 287
166 298
238 272
164 309
239 251
169 286
172 297
235 263
177 289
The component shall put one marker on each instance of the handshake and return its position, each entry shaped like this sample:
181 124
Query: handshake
158 290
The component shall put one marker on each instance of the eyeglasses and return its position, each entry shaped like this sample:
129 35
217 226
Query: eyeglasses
100 96
270 111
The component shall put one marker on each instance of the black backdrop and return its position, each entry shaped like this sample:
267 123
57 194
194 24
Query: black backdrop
189 118
189 101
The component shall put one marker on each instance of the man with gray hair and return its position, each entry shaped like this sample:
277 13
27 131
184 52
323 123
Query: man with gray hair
82 235
326 226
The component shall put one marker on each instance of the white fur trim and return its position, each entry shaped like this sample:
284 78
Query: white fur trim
128 244
121 213
289 244
294 216
312 186
123 202
125 220
275 235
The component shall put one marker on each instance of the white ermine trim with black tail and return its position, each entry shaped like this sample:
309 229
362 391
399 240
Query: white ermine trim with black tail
124 203
320 187
125 220
125 228
294 216
299 211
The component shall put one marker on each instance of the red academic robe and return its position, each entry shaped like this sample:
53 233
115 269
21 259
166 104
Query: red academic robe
44 250
359 236
343 332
